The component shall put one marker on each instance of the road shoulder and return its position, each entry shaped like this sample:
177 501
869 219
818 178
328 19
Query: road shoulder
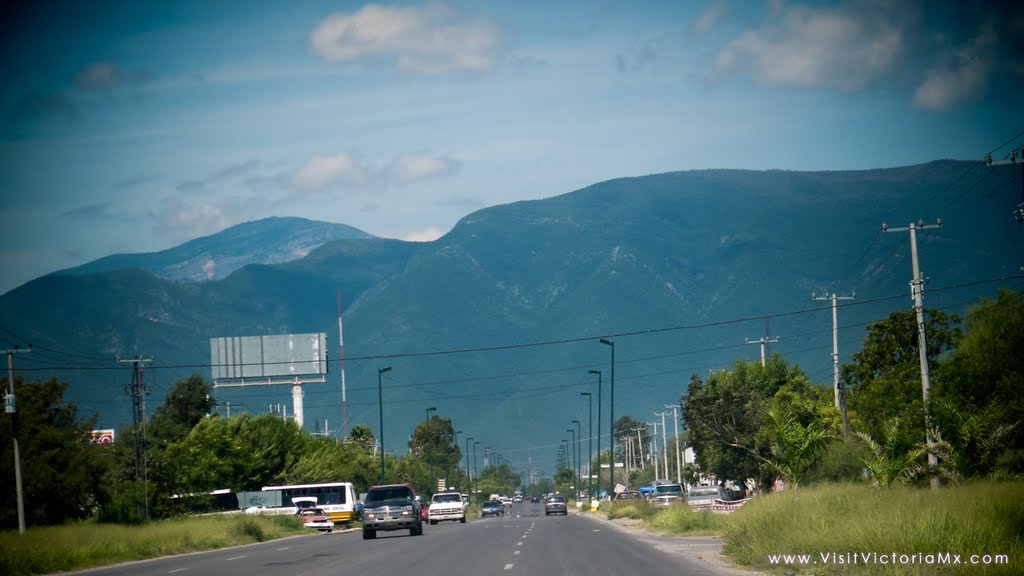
706 549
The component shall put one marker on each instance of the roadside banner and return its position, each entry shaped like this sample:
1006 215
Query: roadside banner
100 437
727 506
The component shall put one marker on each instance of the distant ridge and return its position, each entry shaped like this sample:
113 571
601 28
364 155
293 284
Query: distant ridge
268 241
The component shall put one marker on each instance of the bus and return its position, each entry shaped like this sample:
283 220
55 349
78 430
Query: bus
337 499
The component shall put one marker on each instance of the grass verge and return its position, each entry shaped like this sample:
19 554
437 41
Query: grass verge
53 549
857 529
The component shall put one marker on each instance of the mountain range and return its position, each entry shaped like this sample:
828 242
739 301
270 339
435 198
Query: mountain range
497 323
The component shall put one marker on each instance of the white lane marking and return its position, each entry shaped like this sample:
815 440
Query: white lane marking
509 566
596 530
517 552
519 543
236 558
177 570
284 548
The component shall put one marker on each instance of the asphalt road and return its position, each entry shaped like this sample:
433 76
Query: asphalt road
523 542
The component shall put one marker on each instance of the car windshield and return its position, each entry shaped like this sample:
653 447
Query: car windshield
447 498
556 499
669 489
491 503
386 494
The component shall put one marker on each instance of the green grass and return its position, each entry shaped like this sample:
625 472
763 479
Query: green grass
980 518
73 547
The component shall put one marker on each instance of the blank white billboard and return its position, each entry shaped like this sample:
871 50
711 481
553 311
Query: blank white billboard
268 356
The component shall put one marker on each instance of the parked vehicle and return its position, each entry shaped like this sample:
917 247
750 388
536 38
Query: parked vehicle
628 495
391 507
556 504
315 519
492 508
666 495
705 496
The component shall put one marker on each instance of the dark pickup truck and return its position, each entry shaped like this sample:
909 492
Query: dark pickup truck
391 507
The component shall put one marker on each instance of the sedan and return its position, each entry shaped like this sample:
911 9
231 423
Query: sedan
556 505
492 508
316 519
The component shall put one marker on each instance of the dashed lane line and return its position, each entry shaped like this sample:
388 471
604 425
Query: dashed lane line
509 566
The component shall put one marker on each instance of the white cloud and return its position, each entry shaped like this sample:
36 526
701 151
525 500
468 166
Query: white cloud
709 17
428 40
846 47
960 76
419 166
428 235
344 169
182 219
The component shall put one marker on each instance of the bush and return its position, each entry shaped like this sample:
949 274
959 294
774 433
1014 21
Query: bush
679 520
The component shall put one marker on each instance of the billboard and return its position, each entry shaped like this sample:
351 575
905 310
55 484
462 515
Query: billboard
100 437
268 356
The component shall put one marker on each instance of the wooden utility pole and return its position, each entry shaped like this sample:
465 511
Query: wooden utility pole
11 407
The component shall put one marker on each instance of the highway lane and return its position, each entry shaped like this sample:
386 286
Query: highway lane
523 542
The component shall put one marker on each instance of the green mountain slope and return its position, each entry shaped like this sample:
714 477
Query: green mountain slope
496 323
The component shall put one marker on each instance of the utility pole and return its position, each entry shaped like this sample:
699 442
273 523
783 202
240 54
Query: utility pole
137 392
1016 157
11 407
679 465
664 444
762 341
654 448
916 289
840 399
640 442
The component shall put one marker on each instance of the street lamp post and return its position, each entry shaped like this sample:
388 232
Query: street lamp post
469 472
575 462
448 461
590 441
578 464
475 475
380 402
611 423
597 484
430 447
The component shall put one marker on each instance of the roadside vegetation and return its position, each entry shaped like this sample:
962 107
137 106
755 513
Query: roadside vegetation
87 544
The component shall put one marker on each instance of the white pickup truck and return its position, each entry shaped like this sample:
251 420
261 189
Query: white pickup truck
446 506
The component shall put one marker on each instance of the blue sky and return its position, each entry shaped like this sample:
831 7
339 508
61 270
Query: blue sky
133 127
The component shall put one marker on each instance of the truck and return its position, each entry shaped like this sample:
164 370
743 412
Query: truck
446 506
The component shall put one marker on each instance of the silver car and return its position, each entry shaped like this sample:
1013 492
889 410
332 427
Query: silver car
705 496
666 495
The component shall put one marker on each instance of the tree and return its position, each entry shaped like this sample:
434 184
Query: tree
188 402
726 416
888 464
62 474
433 442
795 447
362 436
979 408
884 377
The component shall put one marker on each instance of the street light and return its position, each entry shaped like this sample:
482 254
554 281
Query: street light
578 465
611 423
475 475
469 471
448 461
598 429
575 461
380 402
430 447
590 441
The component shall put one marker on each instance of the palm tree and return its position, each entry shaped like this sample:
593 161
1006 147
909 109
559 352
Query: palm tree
885 467
795 448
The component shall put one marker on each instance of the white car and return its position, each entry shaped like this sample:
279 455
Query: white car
705 496
315 519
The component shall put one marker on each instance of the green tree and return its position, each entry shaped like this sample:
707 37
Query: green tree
884 377
433 443
187 402
979 407
888 464
362 436
795 447
62 474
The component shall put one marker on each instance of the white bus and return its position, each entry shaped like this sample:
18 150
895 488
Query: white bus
337 499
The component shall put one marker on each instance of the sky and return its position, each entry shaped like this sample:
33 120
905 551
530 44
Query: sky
134 127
